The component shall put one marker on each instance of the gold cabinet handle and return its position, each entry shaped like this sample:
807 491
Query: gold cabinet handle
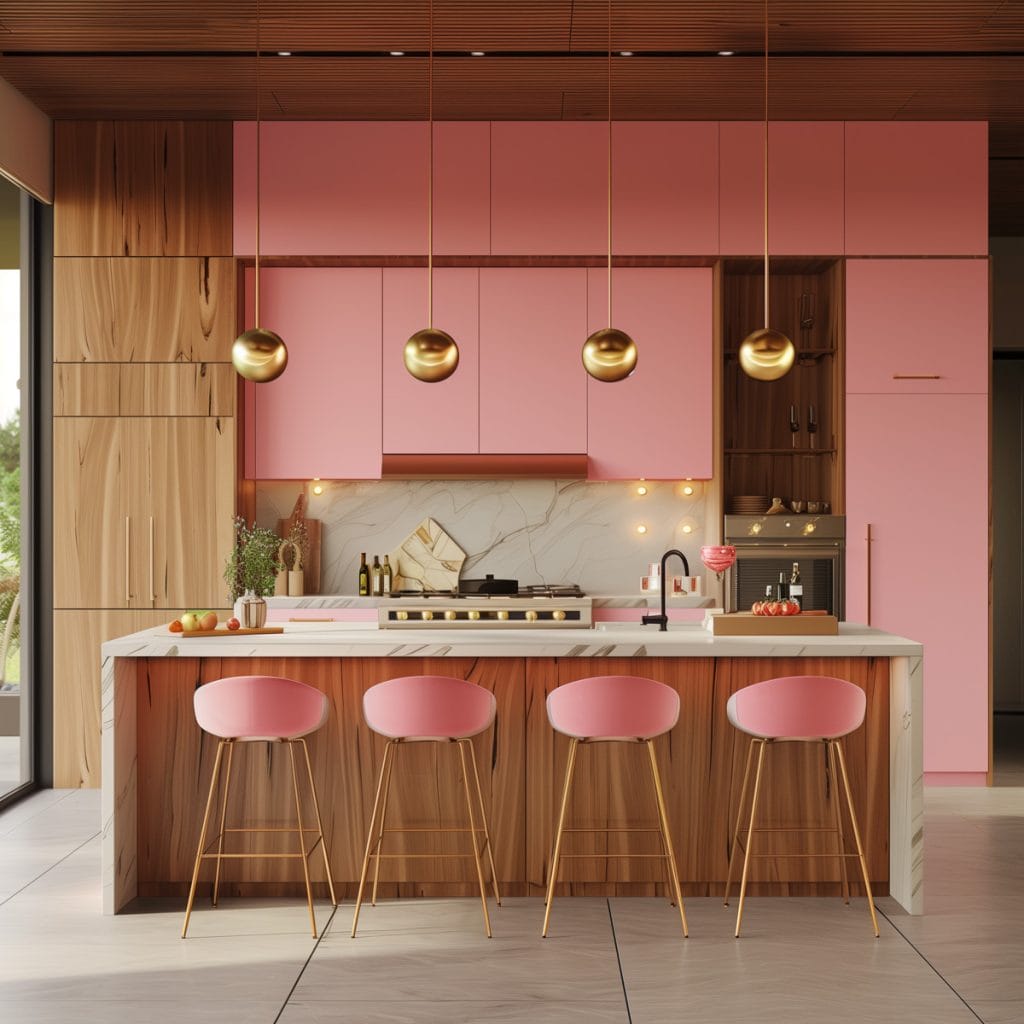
869 539
127 561
917 376
152 563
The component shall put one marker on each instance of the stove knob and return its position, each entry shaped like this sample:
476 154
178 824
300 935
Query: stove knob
473 614
401 616
427 615
503 615
531 616
450 615
558 615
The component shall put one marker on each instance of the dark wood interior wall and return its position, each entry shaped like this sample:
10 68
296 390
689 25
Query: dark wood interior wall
521 762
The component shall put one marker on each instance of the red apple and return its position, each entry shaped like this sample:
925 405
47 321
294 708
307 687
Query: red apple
233 623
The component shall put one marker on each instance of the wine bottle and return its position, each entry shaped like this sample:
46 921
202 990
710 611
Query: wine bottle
783 592
376 578
364 576
385 574
796 588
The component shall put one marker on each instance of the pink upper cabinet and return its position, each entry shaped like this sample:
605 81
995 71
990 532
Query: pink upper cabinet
442 417
549 187
322 416
533 390
665 188
805 188
656 423
917 471
917 326
360 188
916 188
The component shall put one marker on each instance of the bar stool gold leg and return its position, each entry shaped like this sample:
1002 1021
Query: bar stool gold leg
302 836
202 838
380 835
223 814
553 877
369 834
483 818
666 837
472 833
319 822
837 813
750 835
856 836
739 819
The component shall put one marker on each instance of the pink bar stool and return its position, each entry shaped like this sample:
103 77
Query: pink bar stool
800 709
420 709
604 709
248 709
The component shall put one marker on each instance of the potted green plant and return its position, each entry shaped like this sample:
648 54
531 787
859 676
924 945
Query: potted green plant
250 571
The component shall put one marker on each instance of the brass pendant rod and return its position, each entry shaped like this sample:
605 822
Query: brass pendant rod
430 167
609 163
256 288
766 318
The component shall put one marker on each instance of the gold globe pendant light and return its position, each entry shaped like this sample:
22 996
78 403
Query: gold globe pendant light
431 354
257 354
609 354
766 354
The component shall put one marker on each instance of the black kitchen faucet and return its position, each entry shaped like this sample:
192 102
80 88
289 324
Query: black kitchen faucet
662 619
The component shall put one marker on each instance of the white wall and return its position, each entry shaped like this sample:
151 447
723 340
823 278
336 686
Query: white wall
26 143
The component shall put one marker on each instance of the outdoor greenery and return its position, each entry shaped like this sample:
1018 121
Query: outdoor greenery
252 564
10 531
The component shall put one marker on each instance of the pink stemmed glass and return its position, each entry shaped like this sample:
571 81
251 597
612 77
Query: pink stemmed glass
718 558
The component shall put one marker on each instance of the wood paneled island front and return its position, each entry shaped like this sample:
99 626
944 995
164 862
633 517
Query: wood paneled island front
157 762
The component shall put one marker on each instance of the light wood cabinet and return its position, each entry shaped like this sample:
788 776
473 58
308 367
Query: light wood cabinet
142 511
76 687
144 389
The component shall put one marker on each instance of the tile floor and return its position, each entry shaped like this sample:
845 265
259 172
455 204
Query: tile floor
426 961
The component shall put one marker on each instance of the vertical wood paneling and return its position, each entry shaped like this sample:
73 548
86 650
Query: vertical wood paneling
143 310
142 188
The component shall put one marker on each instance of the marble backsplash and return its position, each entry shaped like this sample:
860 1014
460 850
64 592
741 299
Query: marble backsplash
537 531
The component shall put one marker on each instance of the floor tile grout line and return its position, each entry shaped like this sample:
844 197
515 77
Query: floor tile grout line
938 974
316 945
618 959
56 863
33 816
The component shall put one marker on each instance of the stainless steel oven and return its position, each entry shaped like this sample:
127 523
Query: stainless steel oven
767 545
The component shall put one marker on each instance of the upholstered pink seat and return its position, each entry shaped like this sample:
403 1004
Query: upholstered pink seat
627 709
803 709
428 708
798 708
613 708
422 709
259 708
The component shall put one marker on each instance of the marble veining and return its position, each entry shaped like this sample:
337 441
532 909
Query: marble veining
537 531
428 559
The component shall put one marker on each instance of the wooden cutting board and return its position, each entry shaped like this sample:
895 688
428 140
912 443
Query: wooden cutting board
263 631
748 624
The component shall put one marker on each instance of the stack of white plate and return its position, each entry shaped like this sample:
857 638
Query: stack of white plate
747 504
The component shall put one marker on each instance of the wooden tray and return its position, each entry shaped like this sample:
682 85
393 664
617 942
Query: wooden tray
748 624
232 632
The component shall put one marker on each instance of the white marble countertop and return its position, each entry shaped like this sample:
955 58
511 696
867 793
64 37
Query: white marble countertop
637 600
607 640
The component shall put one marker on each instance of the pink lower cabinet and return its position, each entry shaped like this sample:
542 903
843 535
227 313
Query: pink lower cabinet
533 388
917 326
431 418
917 473
658 422
322 416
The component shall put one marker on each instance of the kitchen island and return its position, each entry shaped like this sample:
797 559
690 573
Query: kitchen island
157 763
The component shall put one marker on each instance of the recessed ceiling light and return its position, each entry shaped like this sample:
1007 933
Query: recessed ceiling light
284 53
477 53
396 53
625 53
726 53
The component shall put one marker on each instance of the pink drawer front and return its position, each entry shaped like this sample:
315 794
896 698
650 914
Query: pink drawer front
283 615
635 614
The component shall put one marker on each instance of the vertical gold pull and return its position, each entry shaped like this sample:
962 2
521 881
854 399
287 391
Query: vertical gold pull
868 539
127 561
152 563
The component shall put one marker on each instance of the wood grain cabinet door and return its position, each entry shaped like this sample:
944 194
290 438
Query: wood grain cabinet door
186 533
92 527
917 327
658 422
917 472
